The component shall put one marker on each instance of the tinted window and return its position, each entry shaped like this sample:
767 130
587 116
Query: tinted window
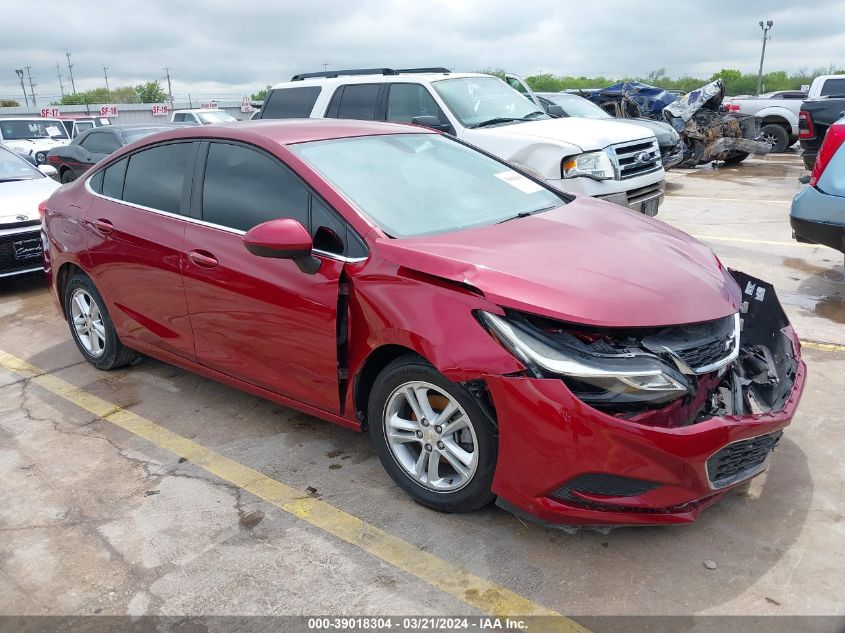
290 103
97 182
180 117
113 179
406 101
244 187
358 101
833 87
155 176
100 143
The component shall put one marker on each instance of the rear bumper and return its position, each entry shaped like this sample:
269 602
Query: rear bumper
819 218
810 149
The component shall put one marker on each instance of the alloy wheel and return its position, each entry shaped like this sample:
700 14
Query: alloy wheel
430 436
88 322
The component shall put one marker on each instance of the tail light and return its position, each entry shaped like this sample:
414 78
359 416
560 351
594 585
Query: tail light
832 142
733 107
805 125
52 159
42 209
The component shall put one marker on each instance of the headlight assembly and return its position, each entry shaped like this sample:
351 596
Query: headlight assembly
595 165
596 378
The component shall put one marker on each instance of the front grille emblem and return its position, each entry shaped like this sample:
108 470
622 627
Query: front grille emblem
643 157
21 218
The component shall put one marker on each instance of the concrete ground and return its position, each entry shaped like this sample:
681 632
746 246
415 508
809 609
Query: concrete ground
96 520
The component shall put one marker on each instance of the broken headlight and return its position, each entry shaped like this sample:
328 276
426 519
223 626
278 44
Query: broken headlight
595 165
600 378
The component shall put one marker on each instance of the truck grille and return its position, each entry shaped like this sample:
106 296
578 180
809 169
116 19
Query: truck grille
9 263
636 159
740 460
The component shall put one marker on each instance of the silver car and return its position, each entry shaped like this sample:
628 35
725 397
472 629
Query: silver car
22 188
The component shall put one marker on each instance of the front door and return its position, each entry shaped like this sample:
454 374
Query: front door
258 319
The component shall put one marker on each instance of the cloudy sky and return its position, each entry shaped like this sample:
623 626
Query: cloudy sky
227 48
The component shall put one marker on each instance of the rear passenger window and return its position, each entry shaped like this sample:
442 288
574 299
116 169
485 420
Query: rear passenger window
243 187
100 143
290 103
96 182
113 179
833 88
358 101
155 176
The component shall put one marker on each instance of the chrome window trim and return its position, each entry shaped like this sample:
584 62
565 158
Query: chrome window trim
220 227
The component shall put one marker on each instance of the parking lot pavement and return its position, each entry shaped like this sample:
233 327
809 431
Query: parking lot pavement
150 490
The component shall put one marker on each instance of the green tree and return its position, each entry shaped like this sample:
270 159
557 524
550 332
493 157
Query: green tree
9 103
150 92
261 95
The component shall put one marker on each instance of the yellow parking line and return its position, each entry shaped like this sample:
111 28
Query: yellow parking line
823 347
743 240
475 591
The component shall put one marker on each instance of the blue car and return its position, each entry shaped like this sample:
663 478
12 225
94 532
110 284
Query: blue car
818 211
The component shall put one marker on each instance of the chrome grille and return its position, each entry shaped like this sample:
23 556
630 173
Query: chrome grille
637 158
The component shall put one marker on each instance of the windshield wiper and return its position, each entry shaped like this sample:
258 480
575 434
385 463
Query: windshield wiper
494 121
525 214
531 114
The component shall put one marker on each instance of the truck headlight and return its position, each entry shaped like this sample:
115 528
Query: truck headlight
593 377
595 165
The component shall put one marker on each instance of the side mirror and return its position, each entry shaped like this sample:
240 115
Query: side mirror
430 121
554 110
47 170
283 239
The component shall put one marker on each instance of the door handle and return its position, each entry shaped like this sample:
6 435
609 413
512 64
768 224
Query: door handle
103 226
203 259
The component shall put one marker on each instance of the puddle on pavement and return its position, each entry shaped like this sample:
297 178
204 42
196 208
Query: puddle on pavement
822 294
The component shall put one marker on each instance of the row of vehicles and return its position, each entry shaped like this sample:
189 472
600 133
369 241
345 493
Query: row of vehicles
497 336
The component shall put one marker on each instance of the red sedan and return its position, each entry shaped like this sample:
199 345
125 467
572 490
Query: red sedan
497 338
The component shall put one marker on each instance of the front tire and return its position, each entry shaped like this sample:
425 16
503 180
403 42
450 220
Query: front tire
776 137
736 158
91 327
431 437
68 176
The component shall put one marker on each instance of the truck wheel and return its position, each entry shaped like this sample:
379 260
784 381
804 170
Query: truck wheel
775 137
736 159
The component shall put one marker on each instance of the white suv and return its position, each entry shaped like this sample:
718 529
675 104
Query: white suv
609 160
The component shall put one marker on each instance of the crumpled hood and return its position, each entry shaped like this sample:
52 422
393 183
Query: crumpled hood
21 197
588 134
588 262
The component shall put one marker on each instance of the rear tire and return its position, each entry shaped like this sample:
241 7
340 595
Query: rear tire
91 327
445 463
776 137
737 158
67 176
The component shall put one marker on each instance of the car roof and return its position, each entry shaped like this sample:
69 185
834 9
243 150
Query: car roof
288 131
376 78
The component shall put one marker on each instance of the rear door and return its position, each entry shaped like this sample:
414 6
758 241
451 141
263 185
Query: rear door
257 319
135 228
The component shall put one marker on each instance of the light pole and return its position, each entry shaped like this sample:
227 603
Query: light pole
19 73
766 28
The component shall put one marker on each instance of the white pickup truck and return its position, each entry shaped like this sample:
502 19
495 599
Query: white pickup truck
779 114
610 160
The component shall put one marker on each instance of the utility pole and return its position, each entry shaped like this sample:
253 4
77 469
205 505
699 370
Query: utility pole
31 85
19 73
70 71
325 66
59 74
766 28
106 75
169 88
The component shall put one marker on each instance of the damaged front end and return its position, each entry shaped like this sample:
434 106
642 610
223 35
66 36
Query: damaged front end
711 134
668 377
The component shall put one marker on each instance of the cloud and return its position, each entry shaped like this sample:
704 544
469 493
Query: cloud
226 48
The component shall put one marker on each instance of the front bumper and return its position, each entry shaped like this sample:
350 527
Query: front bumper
633 193
565 463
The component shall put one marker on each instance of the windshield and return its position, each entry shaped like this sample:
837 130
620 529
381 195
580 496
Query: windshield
573 105
21 129
422 184
13 167
479 100
215 117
